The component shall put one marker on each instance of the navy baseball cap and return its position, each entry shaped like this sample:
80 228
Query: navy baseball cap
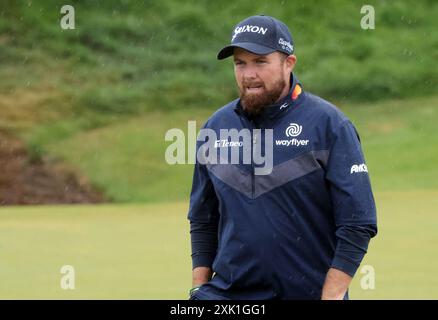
260 35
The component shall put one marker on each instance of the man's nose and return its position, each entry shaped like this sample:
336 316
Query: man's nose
249 73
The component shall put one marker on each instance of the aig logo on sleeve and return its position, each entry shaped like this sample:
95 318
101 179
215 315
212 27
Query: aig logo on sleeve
356 168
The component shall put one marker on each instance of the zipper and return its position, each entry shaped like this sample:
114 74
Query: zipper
251 125
253 169
253 146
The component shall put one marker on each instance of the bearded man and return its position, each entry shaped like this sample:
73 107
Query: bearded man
301 231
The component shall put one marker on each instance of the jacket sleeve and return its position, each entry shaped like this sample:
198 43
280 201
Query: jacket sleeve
204 218
352 199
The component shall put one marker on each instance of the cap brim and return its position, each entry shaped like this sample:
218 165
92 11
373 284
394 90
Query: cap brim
249 46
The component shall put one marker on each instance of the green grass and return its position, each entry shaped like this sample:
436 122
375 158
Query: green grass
402 253
127 158
134 56
143 251
118 252
398 138
102 96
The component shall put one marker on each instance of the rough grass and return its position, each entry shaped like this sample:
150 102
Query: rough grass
89 88
127 158
125 58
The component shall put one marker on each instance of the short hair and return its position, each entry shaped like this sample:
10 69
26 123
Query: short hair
283 56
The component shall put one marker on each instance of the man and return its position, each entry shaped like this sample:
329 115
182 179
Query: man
301 231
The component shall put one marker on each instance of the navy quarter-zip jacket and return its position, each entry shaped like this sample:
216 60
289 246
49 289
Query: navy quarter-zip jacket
275 236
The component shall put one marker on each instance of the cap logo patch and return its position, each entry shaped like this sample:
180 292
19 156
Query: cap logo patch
249 28
285 45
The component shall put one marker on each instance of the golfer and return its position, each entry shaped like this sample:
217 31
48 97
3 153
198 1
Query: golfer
302 230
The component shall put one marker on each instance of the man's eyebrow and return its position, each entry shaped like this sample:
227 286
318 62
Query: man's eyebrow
254 59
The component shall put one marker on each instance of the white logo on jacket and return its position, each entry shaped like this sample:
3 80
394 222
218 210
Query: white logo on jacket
355 168
293 130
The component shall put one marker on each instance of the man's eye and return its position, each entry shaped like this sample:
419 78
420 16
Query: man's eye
261 61
238 63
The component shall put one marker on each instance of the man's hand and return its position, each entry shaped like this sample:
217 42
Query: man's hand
335 285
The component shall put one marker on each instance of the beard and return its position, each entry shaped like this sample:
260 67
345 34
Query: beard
253 103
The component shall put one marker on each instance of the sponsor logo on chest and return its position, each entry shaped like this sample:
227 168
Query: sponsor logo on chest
292 131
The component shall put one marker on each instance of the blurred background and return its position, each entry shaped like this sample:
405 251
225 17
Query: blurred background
84 111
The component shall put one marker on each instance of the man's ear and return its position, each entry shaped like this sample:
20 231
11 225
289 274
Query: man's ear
290 61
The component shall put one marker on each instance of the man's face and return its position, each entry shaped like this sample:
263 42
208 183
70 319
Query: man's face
262 80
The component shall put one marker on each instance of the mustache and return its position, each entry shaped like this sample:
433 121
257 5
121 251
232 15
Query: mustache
246 83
